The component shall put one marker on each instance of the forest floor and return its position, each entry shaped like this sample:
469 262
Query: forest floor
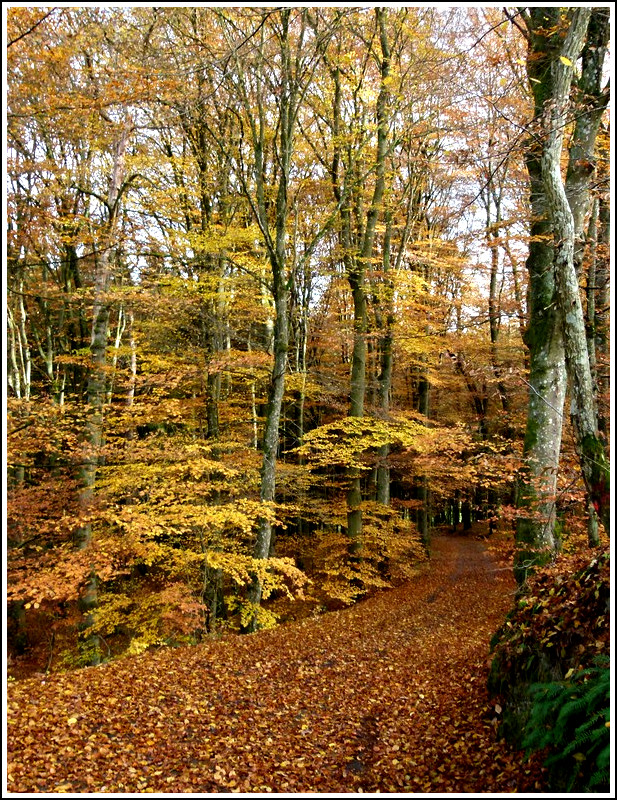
386 696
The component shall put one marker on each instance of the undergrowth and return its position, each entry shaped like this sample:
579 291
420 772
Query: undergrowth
550 670
572 719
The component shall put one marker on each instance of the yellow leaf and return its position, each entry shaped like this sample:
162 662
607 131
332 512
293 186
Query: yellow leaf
72 720
565 61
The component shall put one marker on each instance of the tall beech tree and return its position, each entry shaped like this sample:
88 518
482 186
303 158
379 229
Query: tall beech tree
569 205
94 432
543 337
358 252
274 76
556 333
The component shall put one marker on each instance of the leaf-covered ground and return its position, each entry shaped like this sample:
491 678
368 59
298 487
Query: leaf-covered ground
387 696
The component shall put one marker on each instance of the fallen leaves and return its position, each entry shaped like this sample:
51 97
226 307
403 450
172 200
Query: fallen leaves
384 696
563 615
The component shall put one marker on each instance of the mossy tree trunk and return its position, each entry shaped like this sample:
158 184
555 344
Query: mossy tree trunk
567 224
537 486
556 333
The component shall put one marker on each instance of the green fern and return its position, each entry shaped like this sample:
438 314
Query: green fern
571 719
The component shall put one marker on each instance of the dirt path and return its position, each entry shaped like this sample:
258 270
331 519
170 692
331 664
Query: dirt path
387 696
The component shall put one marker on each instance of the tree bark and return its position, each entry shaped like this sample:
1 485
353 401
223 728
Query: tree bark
537 489
94 429
537 485
583 413
356 275
556 335
288 91
590 101
601 292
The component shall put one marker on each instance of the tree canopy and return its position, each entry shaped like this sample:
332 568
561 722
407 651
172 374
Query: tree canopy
288 288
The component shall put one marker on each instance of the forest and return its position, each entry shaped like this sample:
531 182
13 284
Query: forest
308 308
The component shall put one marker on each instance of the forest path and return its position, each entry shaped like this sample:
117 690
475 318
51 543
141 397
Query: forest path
387 696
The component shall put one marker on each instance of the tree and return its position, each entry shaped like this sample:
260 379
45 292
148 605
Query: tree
568 207
264 311
266 185
556 335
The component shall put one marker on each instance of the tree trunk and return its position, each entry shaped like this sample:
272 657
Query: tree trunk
93 433
593 460
590 101
601 316
271 434
537 485
14 376
386 328
356 274
537 489
277 254
557 327
356 405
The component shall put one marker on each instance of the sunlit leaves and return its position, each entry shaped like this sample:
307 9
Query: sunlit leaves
176 505
345 442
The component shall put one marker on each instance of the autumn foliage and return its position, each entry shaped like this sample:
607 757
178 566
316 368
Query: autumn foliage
386 696
273 319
